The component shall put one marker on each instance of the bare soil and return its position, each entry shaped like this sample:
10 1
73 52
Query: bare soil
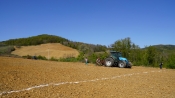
24 78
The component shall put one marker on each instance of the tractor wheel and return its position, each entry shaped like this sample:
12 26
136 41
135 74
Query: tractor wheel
109 62
130 65
122 64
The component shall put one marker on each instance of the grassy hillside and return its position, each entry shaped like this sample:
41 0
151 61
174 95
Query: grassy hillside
28 47
165 48
50 50
162 47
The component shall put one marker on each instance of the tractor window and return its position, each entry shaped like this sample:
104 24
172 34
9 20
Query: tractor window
116 54
119 55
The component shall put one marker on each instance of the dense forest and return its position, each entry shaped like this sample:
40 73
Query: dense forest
148 56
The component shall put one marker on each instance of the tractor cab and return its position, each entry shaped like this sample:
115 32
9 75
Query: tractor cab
115 55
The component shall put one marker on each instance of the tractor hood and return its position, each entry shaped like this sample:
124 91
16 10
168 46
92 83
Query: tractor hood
122 59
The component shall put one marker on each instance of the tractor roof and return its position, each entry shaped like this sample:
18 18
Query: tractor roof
115 51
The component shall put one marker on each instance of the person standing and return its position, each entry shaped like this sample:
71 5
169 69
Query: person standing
86 61
161 65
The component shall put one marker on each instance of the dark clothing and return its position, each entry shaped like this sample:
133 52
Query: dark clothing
34 57
161 65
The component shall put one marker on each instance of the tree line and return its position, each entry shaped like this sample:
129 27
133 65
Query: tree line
148 56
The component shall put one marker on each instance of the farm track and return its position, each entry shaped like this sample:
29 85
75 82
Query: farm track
48 79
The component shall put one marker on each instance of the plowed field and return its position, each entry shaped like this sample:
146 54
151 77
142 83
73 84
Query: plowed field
23 78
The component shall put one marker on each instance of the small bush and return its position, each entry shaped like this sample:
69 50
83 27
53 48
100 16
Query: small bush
53 59
27 57
68 59
171 66
41 57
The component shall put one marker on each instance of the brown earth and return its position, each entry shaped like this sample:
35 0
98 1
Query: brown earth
49 50
23 78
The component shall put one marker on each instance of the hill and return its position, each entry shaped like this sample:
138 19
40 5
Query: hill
49 50
162 47
45 38
35 40
165 48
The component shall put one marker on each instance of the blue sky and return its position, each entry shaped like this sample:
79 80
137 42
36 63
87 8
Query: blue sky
146 22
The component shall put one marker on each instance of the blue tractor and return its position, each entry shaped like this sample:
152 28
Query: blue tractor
116 59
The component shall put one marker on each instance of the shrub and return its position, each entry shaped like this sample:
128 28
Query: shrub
171 66
53 59
171 61
41 57
27 57
6 49
68 59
